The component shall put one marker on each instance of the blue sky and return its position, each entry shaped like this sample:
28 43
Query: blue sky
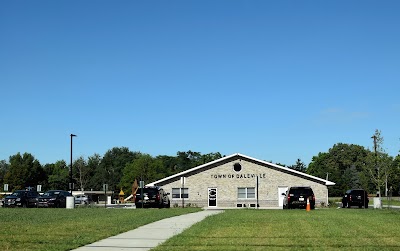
275 80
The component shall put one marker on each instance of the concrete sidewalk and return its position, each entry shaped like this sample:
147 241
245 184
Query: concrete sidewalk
151 235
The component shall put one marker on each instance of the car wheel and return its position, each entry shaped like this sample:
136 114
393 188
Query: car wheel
366 206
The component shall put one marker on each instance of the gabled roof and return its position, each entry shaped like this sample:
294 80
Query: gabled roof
243 157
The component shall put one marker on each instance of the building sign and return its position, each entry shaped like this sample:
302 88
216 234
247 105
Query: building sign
239 176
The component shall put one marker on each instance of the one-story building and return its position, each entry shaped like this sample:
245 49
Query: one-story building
238 180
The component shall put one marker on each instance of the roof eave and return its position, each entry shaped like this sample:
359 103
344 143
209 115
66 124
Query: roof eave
190 170
326 182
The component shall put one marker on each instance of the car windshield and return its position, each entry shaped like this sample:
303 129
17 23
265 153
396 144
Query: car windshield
51 193
18 193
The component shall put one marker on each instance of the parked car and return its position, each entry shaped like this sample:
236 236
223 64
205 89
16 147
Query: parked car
152 197
21 198
355 197
82 199
296 197
54 198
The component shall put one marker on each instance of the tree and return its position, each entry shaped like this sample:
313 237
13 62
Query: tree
93 165
320 166
299 166
395 179
111 166
351 177
210 157
379 164
145 168
81 173
3 169
185 160
344 165
24 171
58 175
168 163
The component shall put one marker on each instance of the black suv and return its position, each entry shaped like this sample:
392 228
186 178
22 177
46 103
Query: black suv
355 197
53 198
21 198
297 197
152 197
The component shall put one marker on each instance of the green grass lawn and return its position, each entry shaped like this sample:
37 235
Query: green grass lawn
321 229
65 229
236 229
394 201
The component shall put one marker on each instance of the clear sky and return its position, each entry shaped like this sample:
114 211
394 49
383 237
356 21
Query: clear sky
275 80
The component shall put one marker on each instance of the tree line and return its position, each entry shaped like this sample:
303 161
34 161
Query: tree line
348 165
353 166
118 168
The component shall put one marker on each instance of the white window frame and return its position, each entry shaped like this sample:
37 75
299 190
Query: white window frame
181 193
248 192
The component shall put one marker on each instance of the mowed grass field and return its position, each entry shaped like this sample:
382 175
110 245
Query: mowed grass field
321 229
65 229
235 229
394 201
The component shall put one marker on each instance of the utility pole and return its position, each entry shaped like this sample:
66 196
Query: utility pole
376 166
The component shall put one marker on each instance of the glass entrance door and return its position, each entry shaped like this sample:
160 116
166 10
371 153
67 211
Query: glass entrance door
212 197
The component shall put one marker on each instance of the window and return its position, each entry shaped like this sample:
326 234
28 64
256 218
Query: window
241 193
180 193
176 193
185 192
246 193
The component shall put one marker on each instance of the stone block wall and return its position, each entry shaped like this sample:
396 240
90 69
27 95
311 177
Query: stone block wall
227 181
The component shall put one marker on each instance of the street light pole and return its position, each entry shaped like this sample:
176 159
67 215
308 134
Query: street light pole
70 170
